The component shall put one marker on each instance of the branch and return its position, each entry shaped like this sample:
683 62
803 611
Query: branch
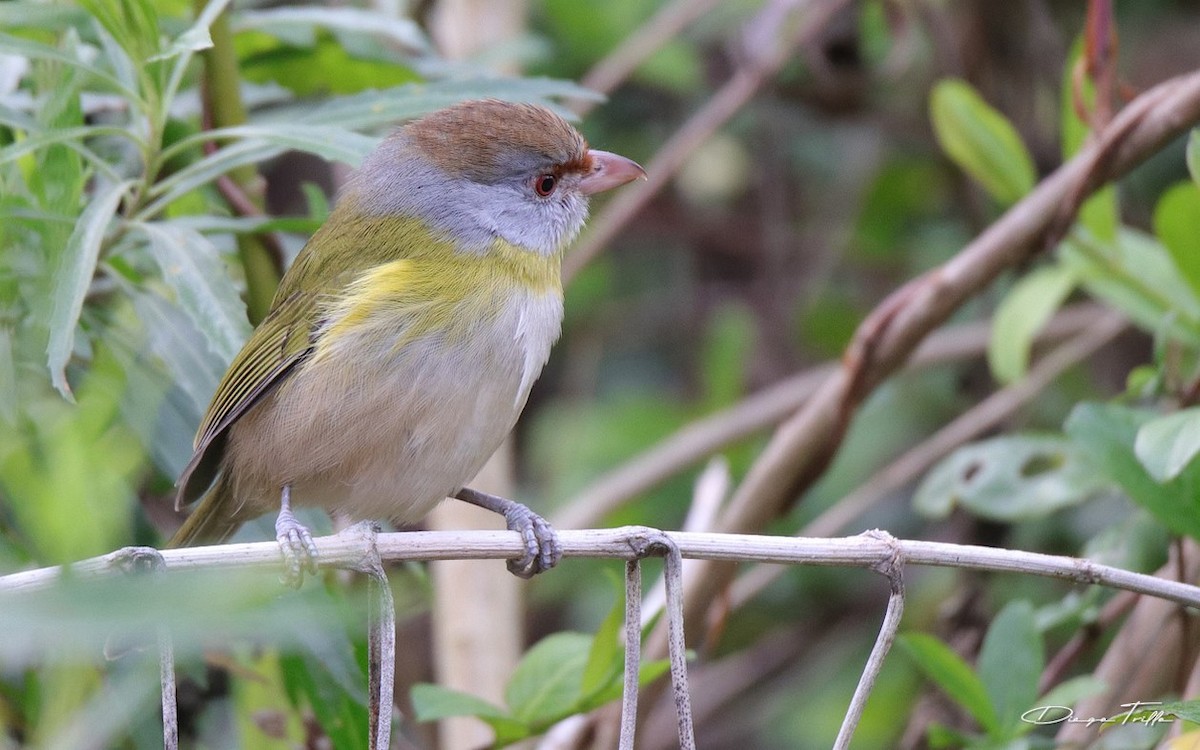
769 38
803 446
353 550
698 440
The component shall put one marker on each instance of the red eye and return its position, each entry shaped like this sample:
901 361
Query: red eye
544 184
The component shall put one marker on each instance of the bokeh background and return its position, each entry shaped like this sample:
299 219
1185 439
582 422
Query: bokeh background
799 174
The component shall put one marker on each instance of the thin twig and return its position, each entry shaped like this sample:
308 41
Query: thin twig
982 417
803 445
703 437
617 65
166 676
346 550
761 61
974 422
633 649
381 642
893 569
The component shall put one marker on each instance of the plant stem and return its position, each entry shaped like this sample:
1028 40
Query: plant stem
224 108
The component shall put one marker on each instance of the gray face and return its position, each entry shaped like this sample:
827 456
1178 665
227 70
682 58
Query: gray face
396 180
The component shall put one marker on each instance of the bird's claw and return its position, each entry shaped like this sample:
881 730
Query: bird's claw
542 548
297 547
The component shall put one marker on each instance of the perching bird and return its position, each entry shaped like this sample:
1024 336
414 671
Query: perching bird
401 345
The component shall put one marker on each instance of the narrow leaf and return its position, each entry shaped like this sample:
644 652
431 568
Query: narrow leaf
1026 308
27 48
73 277
196 37
1166 445
953 675
327 141
981 141
192 267
604 658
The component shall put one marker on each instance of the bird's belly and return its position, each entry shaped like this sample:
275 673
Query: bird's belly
386 426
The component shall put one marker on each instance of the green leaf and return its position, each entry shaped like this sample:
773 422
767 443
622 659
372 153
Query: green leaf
605 657
1105 434
1136 275
206 170
981 141
434 702
1010 663
546 685
1009 478
327 141
22 47
1022 313
298 25
1166 445
1071 691
196 37
192 267
372 109
1177 224
74 276
953 675
66 136
342 715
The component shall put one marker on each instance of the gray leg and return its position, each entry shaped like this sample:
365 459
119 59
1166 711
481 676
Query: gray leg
295 542
542 548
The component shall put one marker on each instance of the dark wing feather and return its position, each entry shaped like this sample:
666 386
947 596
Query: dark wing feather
277 346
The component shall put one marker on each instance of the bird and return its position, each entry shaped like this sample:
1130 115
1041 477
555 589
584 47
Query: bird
402 343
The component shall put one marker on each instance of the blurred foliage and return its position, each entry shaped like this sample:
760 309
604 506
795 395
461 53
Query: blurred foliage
899 133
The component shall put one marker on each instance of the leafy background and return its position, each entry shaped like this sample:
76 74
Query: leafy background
144 224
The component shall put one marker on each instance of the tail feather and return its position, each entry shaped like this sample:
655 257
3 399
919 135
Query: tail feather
213 521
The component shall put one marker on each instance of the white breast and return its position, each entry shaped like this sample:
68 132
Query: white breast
393 435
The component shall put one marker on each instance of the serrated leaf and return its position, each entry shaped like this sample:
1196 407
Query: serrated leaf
1025 309
1010 663
1166 445
192 267
981 141
1105 435
74 276
1009 478
1177 225
953 675
545 686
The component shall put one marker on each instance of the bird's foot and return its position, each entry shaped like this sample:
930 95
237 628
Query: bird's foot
542 548
295 544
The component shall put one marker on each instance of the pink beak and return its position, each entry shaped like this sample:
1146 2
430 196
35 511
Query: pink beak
609 171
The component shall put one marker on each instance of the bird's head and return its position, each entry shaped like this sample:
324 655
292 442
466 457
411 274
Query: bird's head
485 170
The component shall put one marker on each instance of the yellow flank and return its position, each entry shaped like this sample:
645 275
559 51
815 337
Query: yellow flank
428 285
